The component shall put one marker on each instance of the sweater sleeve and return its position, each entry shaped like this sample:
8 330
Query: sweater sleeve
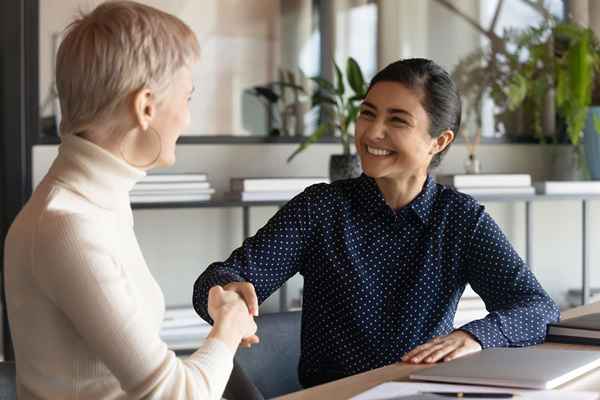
76 265
519 308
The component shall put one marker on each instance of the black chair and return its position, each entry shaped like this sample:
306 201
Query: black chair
269 369
8 381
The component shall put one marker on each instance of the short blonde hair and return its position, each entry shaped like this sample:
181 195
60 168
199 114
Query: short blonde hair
117 49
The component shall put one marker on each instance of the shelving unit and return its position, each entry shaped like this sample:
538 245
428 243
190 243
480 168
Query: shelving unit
585 199
224 203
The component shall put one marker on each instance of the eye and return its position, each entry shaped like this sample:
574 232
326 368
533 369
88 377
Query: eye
367 113
398 121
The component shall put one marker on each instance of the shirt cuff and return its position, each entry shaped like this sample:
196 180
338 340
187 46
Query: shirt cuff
486 332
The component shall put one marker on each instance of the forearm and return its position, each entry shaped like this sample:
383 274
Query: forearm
522 324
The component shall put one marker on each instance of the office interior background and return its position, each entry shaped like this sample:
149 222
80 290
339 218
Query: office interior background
246 44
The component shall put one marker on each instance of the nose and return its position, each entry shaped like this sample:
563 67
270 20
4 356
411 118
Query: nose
376 130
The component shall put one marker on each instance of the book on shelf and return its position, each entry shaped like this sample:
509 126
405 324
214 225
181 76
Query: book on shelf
155 192
183 329
469 293
584 329
274 184
474 303
461 181
262 196
463 317
170 198
175 177
171 186
491 191
568 187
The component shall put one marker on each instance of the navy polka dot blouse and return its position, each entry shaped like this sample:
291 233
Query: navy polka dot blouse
378 282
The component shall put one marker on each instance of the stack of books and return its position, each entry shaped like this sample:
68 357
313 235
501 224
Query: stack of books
470 308
169 188
489 184
584 330
183 329
568 187
270 189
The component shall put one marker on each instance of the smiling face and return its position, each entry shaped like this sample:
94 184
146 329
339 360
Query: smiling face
392 133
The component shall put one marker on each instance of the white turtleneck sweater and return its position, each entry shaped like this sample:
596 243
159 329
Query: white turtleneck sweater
84 309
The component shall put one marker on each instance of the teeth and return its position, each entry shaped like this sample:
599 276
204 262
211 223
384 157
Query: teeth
378 152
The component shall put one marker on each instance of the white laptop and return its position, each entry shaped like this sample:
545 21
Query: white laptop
530 367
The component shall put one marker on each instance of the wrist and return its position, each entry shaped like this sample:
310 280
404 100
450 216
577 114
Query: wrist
230 337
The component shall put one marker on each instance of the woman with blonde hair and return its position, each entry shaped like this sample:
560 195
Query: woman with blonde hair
84 309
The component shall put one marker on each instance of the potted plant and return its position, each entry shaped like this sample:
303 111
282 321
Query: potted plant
535 75
340 102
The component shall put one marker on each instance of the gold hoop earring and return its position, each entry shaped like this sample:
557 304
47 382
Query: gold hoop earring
137 141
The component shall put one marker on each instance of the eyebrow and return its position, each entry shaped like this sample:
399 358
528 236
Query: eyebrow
193 89
389 110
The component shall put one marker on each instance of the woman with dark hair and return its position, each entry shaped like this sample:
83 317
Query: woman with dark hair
386 256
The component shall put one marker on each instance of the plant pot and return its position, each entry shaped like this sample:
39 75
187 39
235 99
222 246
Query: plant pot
591 143
344 166
568 163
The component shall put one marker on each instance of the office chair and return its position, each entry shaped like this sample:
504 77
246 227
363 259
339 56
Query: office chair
8 381
269 369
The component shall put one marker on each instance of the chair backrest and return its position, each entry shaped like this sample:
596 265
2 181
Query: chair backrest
8 381
269 369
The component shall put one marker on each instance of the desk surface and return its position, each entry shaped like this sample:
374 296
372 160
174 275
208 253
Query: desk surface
354 385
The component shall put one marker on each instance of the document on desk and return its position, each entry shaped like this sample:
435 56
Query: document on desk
395 390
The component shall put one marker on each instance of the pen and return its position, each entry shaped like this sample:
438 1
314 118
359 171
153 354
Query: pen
474 395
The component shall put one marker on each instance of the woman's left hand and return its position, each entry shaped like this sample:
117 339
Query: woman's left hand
446 348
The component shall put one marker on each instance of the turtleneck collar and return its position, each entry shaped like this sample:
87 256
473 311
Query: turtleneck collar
95 174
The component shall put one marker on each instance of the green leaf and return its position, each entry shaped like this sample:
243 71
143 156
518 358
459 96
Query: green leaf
324 84
517 91
355 77
318 99
355 98
350 119
314 137
341 89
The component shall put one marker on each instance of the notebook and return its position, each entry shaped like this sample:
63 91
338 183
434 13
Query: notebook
584 329
531 367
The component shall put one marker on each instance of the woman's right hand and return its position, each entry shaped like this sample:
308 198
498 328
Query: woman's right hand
232 318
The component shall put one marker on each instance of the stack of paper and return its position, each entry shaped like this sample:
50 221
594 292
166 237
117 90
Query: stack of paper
396 390
183 329
168 188
270 189
489 184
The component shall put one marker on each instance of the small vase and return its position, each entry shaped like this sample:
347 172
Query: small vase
472 165
344 166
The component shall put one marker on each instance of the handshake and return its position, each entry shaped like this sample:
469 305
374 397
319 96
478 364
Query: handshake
233 309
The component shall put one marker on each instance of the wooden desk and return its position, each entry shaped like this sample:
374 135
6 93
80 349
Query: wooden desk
354 385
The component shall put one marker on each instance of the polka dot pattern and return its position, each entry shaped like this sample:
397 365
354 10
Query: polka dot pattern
378 282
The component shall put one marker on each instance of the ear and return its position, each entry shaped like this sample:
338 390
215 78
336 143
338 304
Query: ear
144 108
442 141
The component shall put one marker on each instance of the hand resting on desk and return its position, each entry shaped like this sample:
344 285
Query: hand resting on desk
445 348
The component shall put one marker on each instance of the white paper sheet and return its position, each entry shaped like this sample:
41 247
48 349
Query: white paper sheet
391 390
